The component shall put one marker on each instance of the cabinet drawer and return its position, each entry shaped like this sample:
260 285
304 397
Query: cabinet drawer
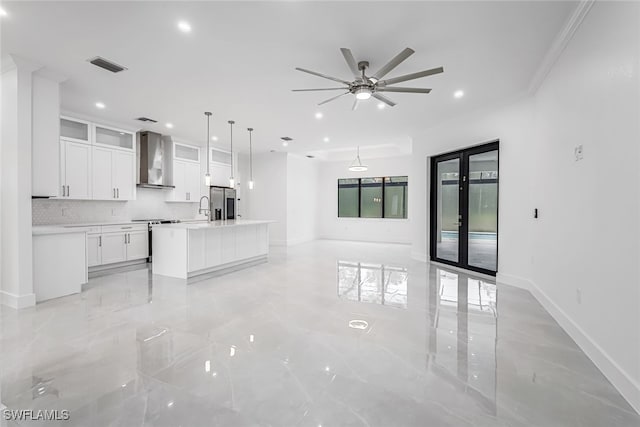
124 228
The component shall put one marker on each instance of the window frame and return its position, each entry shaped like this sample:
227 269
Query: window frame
383 178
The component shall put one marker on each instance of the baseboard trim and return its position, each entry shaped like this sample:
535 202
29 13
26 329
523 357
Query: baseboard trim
419 256
621 380
515 281
17 301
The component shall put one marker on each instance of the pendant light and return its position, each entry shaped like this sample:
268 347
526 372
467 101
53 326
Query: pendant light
207 176
250 160
232 181
356 165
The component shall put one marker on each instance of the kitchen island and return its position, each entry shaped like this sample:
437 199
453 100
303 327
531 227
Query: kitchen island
185 250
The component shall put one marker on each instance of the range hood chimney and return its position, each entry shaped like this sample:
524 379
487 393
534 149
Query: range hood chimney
155 160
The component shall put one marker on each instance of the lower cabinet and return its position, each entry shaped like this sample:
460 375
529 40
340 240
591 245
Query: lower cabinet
119 246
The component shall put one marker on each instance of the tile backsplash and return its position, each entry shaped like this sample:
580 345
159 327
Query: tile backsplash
149 203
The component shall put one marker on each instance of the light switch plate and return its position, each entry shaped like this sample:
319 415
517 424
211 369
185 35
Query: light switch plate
578 152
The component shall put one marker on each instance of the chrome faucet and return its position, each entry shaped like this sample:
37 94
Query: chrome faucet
207 210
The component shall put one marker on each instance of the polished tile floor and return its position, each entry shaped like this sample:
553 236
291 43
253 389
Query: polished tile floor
324 334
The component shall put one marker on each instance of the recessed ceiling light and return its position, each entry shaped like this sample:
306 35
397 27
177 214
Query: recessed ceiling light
169 125
214 138
381 106
458 94
318 115
285 143
3 12
326 139
100 105
184 26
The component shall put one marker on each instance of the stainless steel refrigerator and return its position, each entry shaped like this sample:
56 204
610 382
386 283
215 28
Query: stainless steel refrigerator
223 203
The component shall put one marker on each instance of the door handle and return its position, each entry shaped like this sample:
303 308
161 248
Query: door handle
118 192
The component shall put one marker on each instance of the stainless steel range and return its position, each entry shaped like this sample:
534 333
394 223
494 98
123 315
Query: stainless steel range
151 222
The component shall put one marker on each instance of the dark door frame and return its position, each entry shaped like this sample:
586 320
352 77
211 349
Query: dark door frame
463 205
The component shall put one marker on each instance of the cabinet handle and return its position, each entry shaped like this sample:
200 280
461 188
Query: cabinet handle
99 241
68 192
114 193
118 192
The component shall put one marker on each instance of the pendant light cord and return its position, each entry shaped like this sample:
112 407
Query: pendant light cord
208 114
231 122
250 156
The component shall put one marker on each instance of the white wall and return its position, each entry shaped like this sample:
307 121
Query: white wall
303 204
362 229
268 199
588 236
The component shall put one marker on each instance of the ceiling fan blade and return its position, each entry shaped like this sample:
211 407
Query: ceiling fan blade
393 63
411 76
355 104
384 99
403 89
351 61
332 98
335 79
325 88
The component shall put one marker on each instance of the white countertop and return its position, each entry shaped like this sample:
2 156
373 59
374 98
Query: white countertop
213 224
41 230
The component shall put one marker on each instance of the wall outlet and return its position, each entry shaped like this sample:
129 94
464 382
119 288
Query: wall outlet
64 211
579 296
113 212
577 152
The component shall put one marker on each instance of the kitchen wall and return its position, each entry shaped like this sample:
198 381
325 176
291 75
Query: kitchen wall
149 203
363 229
580 258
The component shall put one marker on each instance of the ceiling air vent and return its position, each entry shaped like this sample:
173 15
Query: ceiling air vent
286 138
310 156
146 119
99 61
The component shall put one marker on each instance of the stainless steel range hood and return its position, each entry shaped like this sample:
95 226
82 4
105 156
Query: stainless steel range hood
155 160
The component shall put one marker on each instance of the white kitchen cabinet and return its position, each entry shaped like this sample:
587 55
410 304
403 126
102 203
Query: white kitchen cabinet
75 173
220 166
114 248
137 245
186 179
112 174
123 175
113 138
94 249
75 130
197 250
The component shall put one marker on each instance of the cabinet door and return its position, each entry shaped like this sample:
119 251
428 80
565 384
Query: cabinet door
196 253
114 248
113 138
123 175
75 130
213 248
179 174
220 174
77 172
101 174
94 249
192 178
138 245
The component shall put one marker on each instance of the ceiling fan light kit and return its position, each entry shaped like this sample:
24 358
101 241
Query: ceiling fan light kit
365 87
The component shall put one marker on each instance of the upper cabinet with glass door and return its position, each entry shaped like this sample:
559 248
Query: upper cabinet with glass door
187 153
75 130
114 138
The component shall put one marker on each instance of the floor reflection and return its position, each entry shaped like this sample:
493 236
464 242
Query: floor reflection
373 283
464 325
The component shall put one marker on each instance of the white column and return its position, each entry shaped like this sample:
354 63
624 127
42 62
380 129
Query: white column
16 286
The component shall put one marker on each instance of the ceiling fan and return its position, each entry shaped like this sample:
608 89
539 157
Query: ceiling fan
365 87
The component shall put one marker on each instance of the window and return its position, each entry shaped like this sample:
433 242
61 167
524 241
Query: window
380 197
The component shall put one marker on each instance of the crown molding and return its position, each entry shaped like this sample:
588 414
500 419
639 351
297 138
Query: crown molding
559 44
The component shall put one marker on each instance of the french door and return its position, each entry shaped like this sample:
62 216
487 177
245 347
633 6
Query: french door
464 208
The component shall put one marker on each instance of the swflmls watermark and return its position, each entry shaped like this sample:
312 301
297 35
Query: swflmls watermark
35 415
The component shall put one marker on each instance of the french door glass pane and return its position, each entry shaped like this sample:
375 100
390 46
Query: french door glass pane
448 176
483 210
348 198
371 198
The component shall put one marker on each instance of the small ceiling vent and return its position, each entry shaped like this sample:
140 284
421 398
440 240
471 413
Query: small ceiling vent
146 119
310 156
286 138
101 62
